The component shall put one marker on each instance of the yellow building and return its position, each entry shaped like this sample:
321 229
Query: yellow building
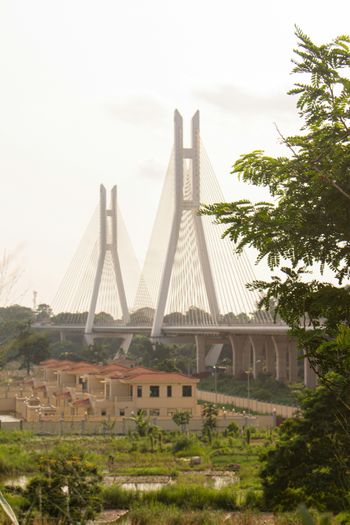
67 389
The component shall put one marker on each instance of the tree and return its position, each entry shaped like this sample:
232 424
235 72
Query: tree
43 313
32 347
67 488
209 414
304 465
182 418
309 222
142 422
307 225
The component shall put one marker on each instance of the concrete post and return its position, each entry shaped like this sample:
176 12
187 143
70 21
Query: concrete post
281 347
270 357
200 352
258 343
293 361
238 346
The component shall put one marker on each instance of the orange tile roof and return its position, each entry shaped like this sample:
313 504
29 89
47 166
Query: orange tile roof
162 377
113 367
117 371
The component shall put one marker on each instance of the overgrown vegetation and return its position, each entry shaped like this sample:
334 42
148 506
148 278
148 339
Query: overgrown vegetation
307 224
263 388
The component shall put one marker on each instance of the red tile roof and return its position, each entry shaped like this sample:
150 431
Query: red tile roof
117 371
162 377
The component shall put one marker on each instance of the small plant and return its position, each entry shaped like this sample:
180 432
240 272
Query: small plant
210 413
182 418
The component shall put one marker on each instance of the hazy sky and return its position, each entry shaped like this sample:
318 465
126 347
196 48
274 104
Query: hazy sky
88 89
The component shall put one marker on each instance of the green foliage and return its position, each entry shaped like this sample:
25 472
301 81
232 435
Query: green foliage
142 422
182 419
264 388
209 413
31 347
186 446
184 496
232 429
67 487
308 464
159 514
13 320
170 358
307 224
15 458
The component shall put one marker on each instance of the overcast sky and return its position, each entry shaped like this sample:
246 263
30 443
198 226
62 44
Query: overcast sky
88 89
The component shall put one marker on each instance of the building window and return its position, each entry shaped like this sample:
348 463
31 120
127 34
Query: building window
154 412
139 391
122 412
169 391
186 391
103 413
154 391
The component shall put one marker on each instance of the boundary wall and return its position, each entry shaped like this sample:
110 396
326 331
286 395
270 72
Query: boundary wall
250 404
122 426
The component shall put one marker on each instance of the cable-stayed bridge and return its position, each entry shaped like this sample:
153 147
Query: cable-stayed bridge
192 285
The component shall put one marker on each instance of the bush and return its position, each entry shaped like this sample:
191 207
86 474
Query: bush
115 497
233 429
186 446
181 443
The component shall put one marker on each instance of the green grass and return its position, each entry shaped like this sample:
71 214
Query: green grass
158 514
182 495
118 456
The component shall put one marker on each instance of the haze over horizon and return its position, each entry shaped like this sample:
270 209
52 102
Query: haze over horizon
88 93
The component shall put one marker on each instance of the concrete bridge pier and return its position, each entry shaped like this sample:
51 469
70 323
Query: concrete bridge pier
280 343
270 361
240 354
259 354
292 361
310 377
200 352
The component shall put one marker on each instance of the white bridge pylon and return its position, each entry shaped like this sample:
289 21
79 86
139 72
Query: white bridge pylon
186 199
108 243
101 281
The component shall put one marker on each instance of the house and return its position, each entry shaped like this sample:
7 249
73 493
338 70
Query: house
69 389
